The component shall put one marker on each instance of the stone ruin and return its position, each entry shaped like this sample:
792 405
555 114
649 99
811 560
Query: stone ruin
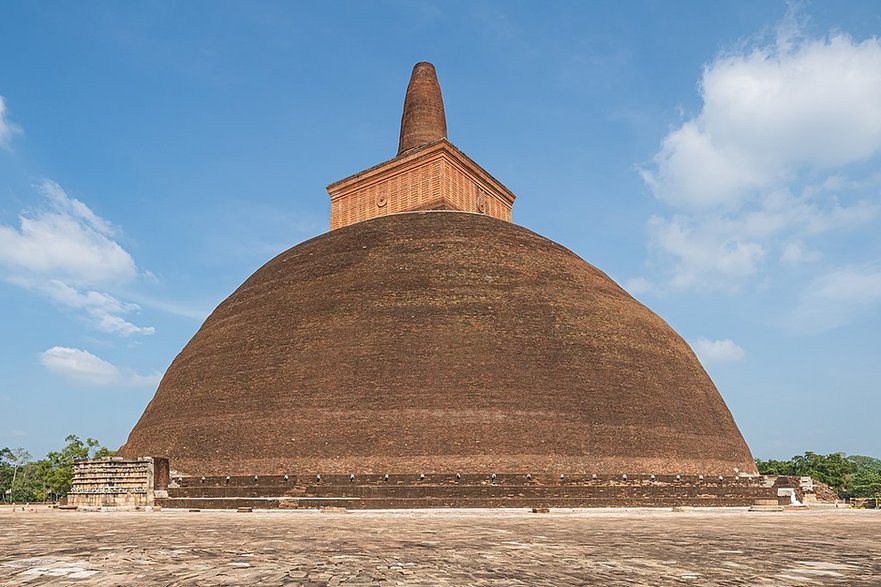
118 482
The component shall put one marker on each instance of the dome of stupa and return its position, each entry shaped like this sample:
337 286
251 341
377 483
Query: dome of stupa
427 333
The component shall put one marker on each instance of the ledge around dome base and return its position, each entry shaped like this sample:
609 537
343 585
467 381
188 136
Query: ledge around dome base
457 490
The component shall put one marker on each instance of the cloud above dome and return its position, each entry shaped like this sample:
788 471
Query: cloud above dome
770 113
780 153
80 366
718 351
7 128
837 297
65 238
63 251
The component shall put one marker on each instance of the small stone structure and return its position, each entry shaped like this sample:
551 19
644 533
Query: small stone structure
118 482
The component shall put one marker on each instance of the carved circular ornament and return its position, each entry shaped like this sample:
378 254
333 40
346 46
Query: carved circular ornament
481 201
381 200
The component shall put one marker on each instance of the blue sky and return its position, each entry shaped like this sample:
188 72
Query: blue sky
720 160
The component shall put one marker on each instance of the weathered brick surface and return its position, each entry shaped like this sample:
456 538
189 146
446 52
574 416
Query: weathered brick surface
437 176
427 491
423 120
436 342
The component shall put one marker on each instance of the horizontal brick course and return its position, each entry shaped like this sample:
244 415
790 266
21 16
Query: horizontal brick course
467 491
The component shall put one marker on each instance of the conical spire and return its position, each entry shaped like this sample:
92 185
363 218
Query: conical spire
423 120
429 173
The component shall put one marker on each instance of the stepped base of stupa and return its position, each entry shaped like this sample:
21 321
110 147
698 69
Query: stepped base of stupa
467 491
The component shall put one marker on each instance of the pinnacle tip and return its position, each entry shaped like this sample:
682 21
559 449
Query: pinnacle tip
423 120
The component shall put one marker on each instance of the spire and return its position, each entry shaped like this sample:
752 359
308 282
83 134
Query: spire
423 120
429 173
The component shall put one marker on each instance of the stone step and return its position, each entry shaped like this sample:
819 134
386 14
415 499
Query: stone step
208 503
470 491
230 492
468 479
428 502
531 492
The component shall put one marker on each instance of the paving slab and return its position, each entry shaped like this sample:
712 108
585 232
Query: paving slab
39 546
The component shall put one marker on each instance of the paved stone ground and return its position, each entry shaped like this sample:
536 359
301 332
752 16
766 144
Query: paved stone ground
441 547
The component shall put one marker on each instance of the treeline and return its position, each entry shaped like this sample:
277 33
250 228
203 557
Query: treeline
23 479
849 476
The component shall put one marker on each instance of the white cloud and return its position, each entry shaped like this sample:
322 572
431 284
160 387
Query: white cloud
723 251
196 312
760 170
83 367
767 114
7 128
62 252
718 351
65 240
795 253
638 285
837 298
706 256
102 310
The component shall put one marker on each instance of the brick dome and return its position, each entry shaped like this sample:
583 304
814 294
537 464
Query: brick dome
436 342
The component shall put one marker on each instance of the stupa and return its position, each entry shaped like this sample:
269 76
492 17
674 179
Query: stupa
426 334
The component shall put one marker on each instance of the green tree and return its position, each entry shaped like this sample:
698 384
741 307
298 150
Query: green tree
22 479
850 476
5 471
32 483
865 481
831 469
775 467
59 472
13 463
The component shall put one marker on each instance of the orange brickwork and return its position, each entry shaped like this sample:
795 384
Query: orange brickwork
429 172
437 176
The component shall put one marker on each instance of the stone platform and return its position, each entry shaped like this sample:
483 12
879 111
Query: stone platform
464 491
441 547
